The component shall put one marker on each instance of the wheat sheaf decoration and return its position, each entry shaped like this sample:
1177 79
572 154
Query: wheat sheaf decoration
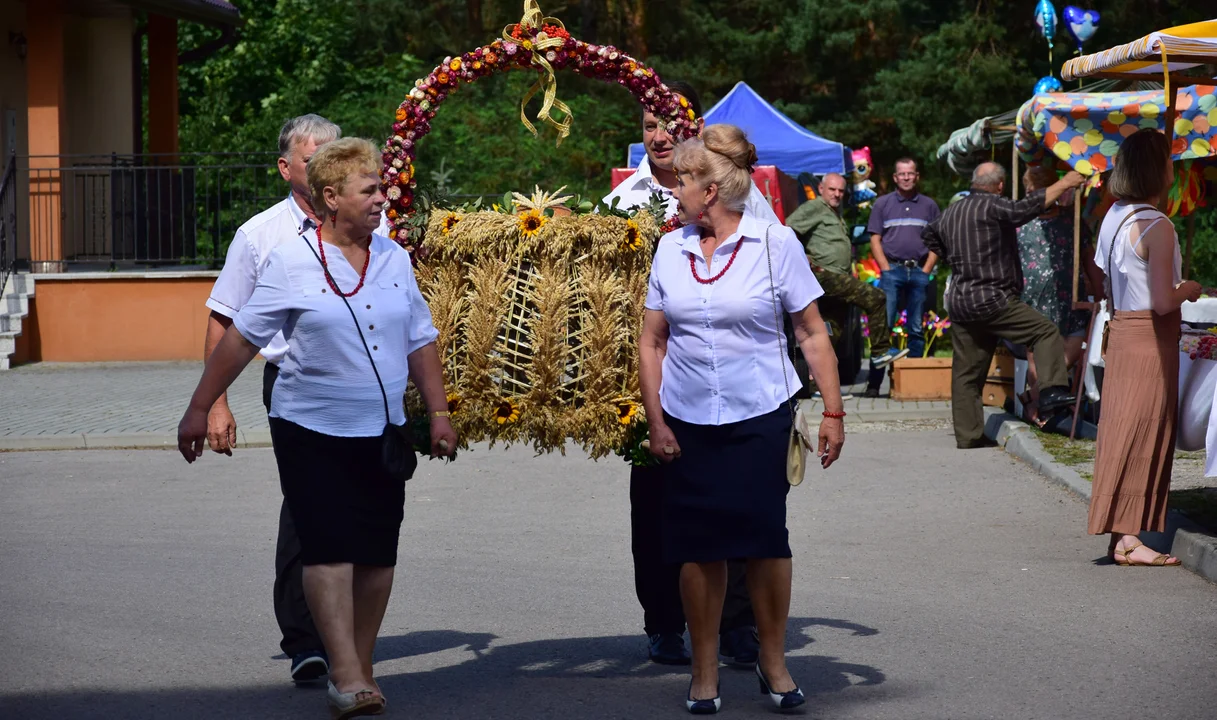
539 299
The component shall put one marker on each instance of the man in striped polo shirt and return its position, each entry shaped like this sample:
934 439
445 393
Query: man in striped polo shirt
895 229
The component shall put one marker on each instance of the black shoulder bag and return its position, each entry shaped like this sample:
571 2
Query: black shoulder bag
396 446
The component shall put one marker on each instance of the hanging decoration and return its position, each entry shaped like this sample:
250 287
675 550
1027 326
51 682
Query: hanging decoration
1080 24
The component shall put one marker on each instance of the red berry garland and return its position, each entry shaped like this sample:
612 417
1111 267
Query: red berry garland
329 279
706 281
516 51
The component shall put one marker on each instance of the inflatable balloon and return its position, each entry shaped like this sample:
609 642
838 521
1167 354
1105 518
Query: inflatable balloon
864 188
1048 84
1080 24
958 196
1045 19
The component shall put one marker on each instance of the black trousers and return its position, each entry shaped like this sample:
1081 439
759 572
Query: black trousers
658 584
291 609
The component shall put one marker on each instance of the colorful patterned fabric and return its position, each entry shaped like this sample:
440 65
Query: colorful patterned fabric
1045 247
1144 56
1084 130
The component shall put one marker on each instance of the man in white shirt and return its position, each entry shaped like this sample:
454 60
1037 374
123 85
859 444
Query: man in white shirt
657 584
244 264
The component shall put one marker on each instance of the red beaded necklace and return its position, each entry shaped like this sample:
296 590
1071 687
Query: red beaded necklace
707 281
329 279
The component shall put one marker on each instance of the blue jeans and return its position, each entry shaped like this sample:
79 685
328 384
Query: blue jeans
912 283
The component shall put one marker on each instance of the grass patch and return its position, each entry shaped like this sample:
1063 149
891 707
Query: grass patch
1076 454
1199 504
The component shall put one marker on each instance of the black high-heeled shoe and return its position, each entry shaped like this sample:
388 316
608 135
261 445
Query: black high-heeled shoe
703 707
782 701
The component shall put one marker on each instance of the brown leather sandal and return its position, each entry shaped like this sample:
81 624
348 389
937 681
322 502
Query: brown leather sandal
1161 560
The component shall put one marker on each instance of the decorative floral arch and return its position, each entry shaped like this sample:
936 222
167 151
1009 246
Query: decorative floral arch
536 42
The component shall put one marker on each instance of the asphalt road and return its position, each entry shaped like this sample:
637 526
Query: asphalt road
929 583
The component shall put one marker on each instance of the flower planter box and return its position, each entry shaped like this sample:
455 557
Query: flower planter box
921 379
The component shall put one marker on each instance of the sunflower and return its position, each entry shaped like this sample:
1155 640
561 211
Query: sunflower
450 221
531 222
626 410
633 237
454 403
506 411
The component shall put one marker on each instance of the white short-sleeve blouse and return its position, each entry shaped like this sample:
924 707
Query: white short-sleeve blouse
325 380
724 363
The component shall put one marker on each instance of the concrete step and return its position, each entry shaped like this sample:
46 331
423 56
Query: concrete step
19 284
8 344
18 305
10 323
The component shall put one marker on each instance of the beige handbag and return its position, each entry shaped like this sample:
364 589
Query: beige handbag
801 446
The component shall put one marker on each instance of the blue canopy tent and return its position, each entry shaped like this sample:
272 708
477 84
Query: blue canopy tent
779 140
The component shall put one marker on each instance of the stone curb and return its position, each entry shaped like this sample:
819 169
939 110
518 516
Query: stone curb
1193 545
116 441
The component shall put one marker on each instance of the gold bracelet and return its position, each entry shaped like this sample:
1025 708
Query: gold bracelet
440 413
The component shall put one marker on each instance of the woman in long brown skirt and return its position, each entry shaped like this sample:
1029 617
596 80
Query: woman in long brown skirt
1139 251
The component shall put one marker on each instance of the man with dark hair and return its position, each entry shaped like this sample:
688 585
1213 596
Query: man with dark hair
895 228
976 236
819 226
658 584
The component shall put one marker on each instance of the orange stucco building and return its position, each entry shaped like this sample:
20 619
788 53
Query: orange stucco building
72 84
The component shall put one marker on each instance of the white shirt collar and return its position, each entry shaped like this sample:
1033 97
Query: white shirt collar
303 222
750 228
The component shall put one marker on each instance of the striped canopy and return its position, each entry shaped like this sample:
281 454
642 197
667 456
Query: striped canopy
1185 46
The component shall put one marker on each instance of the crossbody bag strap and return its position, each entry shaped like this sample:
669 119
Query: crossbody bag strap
1111 247
384 396
777 322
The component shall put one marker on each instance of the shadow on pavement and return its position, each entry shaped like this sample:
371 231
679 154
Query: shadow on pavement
539 679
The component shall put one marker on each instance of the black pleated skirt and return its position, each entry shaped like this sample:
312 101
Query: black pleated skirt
725 497
346 508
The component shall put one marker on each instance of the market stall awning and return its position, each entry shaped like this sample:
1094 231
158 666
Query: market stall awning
970 146
779 140
1183 47
1085 130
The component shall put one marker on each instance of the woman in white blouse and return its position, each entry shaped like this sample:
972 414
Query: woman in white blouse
717 385
1139 250
330 404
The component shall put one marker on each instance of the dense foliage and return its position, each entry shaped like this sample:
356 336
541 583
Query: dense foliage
897 75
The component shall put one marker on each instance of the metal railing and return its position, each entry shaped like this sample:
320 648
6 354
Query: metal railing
8 220
132 211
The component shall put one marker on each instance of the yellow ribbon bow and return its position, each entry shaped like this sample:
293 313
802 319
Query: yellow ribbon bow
533 18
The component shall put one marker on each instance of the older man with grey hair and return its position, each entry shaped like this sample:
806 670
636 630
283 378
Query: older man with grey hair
976 237
247 256
826 239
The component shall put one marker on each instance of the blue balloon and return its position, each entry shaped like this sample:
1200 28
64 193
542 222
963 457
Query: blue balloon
1080 24
1045 19
1048 84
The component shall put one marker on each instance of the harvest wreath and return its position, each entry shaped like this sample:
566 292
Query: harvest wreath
538 300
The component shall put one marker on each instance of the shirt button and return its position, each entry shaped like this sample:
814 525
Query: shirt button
713 392
375 347
703 301
369 307
323 291
394 284
371 327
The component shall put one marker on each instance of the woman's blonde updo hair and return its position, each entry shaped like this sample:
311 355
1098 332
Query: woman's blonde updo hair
335 162
721 156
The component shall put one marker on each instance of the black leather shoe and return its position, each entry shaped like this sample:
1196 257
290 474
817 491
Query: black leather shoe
669 649
782 701
309 666
1054 399
739 647
871 392
708 706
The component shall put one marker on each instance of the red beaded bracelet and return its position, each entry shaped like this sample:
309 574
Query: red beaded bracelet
833 414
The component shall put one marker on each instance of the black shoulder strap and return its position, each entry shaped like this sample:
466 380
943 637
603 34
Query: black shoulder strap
358 329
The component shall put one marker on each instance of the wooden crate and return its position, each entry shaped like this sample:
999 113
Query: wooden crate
921 379
997 393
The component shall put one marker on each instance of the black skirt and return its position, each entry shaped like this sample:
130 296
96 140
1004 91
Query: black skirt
346 508
725 497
